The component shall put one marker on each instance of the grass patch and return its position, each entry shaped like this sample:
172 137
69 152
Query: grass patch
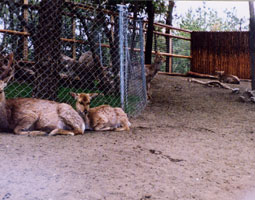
64 96
15 90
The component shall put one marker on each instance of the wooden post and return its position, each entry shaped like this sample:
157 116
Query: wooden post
25 41
169 45
112 27
144 35
252 43
73 34
171 52
149 39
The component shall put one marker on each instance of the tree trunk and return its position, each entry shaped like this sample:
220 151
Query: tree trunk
169 22
48 49
149 38
252 43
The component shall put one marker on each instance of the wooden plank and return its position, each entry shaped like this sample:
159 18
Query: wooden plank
73 34
220 51
172 36
172 74
251 43
170 50
14 32
25 39
171 27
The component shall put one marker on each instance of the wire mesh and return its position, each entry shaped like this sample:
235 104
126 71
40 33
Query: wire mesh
69 46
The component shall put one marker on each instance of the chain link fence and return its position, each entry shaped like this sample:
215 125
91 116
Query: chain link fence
69 46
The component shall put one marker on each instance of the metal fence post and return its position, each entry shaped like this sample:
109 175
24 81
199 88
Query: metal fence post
100 49
127 60
140 21
121 46
92 54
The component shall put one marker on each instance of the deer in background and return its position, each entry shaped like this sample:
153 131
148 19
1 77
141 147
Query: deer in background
101 118
31 116
227 78
151 71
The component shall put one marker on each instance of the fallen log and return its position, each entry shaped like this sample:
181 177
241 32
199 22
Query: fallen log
199 75
214 84
189 74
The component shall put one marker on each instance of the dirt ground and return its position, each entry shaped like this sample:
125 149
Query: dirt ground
191 142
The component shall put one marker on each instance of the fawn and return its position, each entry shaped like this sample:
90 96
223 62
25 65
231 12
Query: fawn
151 71
31 116
100 118
227 78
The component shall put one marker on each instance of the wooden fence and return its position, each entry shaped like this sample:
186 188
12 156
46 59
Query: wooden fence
221 51
165 31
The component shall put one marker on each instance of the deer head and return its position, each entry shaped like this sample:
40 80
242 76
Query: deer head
219 73
7 74
100 118
158 61
6 65
83 101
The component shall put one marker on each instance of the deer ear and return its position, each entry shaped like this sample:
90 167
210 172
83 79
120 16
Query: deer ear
74 95
93 95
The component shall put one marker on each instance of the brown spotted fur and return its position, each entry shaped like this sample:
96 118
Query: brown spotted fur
103 117
227 78
151 71
30 116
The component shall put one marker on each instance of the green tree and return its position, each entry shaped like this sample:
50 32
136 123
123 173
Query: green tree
208 19
202 19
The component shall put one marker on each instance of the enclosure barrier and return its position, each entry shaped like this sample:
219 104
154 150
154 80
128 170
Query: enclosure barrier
175 44
221 51
66 46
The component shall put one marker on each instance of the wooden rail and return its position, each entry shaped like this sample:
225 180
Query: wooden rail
25 4
171 36
14 32
171 27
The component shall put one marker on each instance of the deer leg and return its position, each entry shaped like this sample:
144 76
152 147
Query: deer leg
124 124
61 132
124 128
73 120
24 126
149 96
102 127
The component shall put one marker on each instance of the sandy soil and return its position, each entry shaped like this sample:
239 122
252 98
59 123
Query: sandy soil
191 142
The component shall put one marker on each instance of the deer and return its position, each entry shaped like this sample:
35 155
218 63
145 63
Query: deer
151 71
91 69
227 78
32 116
101 118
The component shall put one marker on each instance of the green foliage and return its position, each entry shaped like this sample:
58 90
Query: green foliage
207 19
202 19
15 90
18 90
64 96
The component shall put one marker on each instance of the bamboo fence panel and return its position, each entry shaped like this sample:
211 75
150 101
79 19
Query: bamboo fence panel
221 51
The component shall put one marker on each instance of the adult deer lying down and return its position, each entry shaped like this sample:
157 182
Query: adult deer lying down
103 117
30 116
151 71
227 78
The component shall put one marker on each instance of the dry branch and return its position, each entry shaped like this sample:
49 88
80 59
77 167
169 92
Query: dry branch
214 84
199 75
